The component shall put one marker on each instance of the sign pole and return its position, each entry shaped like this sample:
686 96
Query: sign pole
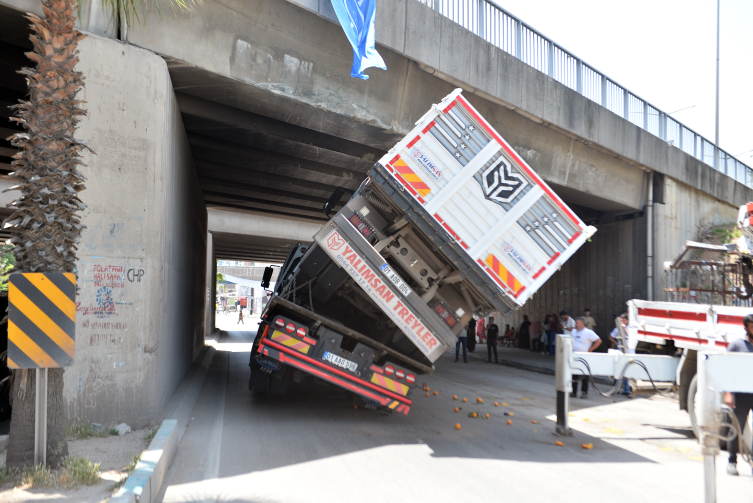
40 423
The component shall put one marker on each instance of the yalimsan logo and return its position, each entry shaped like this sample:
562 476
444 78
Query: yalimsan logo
516 257
428 164
335 242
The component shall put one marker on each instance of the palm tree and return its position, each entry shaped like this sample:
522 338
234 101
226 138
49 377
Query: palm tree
45 227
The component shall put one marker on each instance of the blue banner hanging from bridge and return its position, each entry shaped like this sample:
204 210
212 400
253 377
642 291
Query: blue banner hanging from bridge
357 19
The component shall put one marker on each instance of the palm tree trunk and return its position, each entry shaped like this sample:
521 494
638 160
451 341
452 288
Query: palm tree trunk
45 226
21 440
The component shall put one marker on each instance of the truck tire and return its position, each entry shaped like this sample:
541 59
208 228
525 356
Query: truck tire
259 381
279 386
691 406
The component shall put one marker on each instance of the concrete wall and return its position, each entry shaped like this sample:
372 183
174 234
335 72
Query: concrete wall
235 222
141 275
92 17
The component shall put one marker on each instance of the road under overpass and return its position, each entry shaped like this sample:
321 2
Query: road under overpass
228 146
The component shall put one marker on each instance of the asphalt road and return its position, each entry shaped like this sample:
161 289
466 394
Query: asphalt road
312 445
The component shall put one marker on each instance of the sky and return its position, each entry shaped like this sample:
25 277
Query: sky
663 51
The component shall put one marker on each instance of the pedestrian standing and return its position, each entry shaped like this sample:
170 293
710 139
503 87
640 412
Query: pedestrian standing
524 334
471 333
481 330
240 317
741 403
492 333
554 329
584 341
614 335
462 341
590 322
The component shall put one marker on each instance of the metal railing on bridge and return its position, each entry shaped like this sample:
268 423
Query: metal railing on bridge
499 27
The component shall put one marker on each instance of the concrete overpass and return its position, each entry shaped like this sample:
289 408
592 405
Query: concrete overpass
221 133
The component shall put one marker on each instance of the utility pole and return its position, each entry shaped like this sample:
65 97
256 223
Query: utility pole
716 136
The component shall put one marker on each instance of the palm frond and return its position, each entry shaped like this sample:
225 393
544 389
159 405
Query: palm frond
139 9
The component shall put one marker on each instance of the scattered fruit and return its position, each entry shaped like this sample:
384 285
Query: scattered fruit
509 421
474 415
457 409
436 393
479 400
559 443
587 446
525 399
427 394
511 414
428 388
534 421
487 416
535 431
586 419
465 400
454 397
496 404
504 404
457 426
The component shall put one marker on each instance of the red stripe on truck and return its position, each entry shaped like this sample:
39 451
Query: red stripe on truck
428 127
575 236
675 315
729 319
554 257
414 141
357 389
300 356
539 273
681 338
449 107
522 164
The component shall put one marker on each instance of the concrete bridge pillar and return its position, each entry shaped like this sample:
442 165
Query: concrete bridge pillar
141 272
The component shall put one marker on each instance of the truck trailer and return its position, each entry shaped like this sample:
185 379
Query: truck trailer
451 223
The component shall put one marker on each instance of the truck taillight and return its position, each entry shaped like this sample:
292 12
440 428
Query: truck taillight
389 370
290 328
301 332
410 378
399 374
280 322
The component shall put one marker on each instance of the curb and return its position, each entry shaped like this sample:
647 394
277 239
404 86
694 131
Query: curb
3 442
144 484
546 370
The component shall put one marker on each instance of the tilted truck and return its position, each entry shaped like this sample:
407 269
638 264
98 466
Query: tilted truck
450 223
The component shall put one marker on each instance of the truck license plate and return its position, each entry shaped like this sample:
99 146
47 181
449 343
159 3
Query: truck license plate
340 361
395 280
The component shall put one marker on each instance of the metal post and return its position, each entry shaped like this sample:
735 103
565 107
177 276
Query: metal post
604 91
626 101
695 145
563 382
40 420
481 18
518 39
550 57
680 134
707 408
645 116
650 237
716 136
579 76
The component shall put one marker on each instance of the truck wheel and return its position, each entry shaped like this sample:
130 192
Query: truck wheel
279 387
691 406
259 381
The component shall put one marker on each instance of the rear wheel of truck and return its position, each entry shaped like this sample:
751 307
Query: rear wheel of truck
278 385
259 380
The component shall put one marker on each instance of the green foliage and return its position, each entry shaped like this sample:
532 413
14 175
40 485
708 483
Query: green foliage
83 431
726 233
139 9
7 263
149 436
74 472
128 469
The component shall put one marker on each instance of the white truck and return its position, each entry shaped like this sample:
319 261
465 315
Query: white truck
451 223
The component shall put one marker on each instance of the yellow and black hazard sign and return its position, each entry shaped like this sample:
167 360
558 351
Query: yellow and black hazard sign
41 320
